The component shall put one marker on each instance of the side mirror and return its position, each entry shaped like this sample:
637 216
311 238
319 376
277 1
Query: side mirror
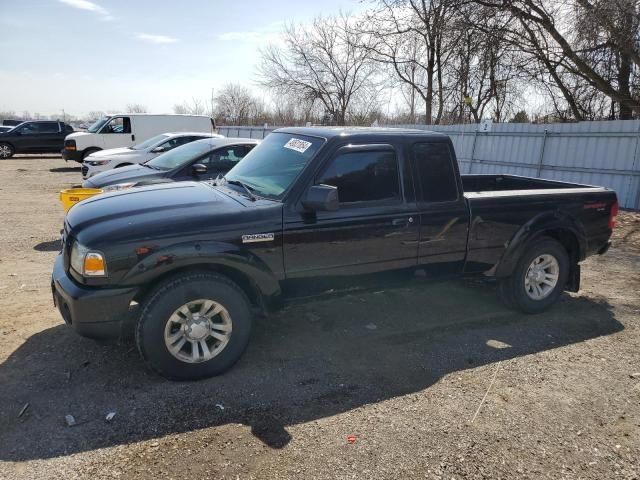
198 169
159 150
321 198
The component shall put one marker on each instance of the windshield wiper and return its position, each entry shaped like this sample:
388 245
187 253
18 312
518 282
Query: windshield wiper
252 197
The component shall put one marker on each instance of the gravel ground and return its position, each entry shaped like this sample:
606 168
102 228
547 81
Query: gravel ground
432 381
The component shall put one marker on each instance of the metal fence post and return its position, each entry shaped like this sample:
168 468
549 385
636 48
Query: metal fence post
541 159
473 149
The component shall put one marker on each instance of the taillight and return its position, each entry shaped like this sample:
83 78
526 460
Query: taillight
613 213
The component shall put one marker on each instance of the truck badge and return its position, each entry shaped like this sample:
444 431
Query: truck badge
258 237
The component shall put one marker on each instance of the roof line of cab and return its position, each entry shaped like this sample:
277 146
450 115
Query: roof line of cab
330 132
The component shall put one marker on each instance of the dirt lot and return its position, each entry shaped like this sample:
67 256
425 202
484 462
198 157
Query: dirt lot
405 371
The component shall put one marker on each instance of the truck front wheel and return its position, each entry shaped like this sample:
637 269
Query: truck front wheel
6 150
88 152
539 277
194 326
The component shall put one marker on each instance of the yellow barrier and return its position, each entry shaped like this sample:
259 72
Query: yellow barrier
71 196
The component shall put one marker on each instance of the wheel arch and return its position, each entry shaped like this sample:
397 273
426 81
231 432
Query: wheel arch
561 227
251 275
88 151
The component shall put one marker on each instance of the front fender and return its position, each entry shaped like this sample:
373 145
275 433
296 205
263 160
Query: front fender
537 227
157 263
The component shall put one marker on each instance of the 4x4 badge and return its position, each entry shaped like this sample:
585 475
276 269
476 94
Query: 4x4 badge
258 237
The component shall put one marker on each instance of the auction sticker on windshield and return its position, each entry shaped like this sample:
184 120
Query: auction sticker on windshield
297 145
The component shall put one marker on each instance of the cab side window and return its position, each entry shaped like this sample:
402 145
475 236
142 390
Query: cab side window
117 125
226 157
435 172
364 176
29 129
173 143
49 127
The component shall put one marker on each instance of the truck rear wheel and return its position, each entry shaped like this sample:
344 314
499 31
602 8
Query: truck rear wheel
539 277
194 326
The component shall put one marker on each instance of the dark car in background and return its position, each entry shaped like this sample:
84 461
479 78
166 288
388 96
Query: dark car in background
199 160
12 123
38 136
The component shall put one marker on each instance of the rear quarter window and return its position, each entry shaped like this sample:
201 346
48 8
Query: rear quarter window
435 172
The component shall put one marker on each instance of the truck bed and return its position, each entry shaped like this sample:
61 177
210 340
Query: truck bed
500 205
513 183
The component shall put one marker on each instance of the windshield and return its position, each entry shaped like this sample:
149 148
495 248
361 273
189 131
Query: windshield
149 143
98 125
271 167
180 155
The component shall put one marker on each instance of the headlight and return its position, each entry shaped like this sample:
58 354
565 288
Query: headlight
95 163
86 262
118 186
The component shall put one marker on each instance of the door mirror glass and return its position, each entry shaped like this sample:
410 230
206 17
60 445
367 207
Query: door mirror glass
199 169
321 198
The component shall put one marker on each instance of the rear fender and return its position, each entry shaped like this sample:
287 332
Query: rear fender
549 223
159 263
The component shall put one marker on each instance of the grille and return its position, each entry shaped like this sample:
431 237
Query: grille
85 169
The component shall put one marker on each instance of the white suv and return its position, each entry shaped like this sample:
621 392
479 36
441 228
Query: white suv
119 157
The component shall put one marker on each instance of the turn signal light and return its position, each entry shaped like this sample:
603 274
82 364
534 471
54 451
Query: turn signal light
94 265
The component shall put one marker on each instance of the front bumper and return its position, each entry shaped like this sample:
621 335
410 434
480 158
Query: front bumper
92 312
74 155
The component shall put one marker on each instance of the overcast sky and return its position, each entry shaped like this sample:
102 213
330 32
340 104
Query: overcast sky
81 55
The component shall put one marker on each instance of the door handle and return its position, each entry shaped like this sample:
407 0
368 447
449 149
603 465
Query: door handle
133 138
396 222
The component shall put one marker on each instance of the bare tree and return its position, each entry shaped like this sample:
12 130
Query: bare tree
136 108
411 37
235 105
595 41
321 63
195 107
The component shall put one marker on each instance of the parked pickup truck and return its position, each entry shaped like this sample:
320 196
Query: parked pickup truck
307 208
40 136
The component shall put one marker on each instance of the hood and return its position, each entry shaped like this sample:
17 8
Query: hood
114 152
130 173
76 135
150 211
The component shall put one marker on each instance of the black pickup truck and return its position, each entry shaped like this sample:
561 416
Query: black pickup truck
307 208
38 136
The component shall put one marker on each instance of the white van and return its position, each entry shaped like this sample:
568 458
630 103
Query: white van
128 129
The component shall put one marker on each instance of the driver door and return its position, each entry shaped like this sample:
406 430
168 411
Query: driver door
375 228
117 133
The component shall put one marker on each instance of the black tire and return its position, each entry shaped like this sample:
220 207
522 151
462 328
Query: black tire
6 151
88 152
512 289
169 296
123 165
